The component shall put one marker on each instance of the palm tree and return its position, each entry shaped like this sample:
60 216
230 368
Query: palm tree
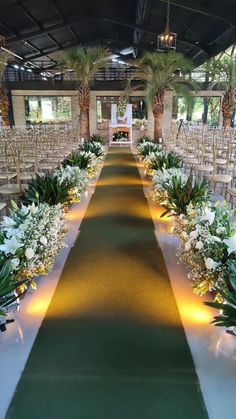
4 103
85 62
160 72
210 71
227 81
220 72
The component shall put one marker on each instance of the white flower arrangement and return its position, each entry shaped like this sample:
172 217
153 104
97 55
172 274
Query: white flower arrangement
32 237
148 160
149 146
161 177
93 163
75 177
206 235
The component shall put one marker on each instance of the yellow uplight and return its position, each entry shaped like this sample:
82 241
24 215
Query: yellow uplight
38 307
193 314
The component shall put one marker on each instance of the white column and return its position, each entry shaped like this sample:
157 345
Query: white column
18 103
75 112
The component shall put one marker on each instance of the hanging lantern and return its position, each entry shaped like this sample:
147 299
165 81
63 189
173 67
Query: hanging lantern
167 40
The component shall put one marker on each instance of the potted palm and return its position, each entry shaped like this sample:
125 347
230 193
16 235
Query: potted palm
160 71
85 62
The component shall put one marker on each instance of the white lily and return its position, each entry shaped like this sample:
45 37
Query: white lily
209 215
10 245
199 245
43 240
231 244
29 253
7 222
210 263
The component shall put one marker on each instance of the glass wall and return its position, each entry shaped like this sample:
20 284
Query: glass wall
198 109
104 103
47 109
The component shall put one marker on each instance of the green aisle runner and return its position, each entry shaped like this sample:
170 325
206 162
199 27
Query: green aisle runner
112 345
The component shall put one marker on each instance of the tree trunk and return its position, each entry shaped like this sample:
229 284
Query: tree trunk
4 106
205 110
190 109
227 103
84 102
158 108
157 126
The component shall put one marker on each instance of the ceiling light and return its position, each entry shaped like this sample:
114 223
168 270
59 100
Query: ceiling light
167 40
12 53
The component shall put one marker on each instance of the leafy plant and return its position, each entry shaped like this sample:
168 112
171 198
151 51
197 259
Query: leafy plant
227 318
8 284
79 159
47 189
85 62
147 148
179 196
96 138
144 139
92 147
160 71
169 161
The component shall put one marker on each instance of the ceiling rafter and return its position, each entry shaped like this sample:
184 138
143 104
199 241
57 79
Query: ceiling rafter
105 19
143 10
185 4
59 13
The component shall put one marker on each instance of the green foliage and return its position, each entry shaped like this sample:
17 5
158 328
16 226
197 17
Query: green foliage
148 148
144 139
96 138
8 284
169 161
84 61
179 196
76 158
47 189
160 71
227 318
92 147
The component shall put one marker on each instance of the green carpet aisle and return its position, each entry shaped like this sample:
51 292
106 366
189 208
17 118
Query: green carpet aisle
112 345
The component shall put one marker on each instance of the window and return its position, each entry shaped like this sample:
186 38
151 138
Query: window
47 109
199 109
104 103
